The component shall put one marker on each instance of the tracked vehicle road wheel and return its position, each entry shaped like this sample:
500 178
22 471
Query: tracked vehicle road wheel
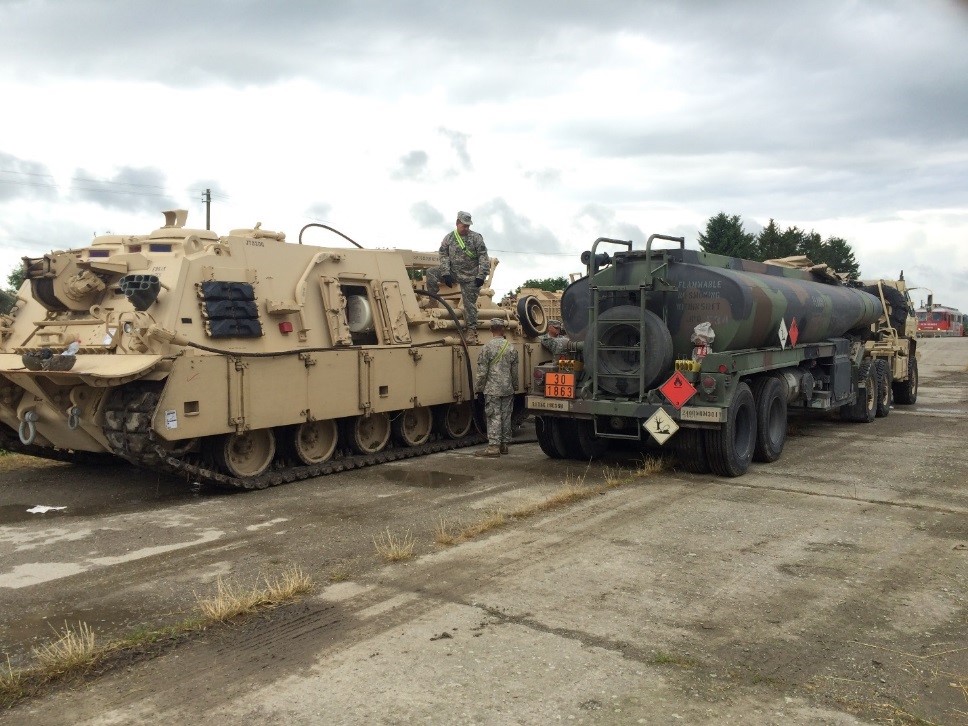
730 448
550 436
770 395
413 426
885 393
315 441
369 434
247 454
454 420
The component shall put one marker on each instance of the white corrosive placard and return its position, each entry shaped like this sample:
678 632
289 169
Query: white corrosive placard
661 426
171 419
782 332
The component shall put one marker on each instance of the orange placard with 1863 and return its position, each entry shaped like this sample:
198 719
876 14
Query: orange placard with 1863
560 385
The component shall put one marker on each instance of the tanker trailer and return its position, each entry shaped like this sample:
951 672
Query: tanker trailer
704 352
241 359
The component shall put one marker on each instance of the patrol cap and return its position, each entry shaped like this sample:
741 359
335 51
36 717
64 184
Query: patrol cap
555 323
498 323
464 218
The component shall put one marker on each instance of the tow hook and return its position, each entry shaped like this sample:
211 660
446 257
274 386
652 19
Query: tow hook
28 427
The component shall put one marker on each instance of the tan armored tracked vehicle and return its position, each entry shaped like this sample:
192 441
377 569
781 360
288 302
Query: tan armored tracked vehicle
243 360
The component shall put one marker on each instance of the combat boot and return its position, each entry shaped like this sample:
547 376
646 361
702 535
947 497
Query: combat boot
490 452
504 448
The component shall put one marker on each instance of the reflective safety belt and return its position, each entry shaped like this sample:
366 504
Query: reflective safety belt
501 352
460 243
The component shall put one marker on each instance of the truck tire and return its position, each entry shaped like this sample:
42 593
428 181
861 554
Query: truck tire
619 371
864 408
770 395
906 392
690 451
550 438
885 395
581 441
532 316
730 447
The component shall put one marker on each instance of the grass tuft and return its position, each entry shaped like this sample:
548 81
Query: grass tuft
340 573
230 601
74 648
571 490
394 549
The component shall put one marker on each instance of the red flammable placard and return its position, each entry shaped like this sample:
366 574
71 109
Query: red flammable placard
794 332
678 389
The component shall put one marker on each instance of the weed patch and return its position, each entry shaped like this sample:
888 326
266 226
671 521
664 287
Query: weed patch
394 549
75 650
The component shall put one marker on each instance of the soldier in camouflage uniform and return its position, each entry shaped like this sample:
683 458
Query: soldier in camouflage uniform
497 374
464 261
553 341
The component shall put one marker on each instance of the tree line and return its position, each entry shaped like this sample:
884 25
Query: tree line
725 235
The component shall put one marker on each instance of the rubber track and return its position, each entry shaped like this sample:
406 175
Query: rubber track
202 474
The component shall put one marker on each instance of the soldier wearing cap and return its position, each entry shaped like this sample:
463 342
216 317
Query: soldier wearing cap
553 340
463 261
497 376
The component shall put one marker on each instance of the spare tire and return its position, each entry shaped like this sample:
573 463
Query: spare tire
532 316
623 359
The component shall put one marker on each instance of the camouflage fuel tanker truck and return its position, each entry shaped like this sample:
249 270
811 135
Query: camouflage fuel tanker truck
242 360
708 354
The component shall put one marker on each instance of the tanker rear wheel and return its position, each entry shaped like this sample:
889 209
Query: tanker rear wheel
454 420
769 394
885 395
413 426
550 439
245 455
690 449
730 448
315 441
369 434
581 440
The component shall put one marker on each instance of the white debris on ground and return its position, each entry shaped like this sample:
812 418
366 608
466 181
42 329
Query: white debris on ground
43 509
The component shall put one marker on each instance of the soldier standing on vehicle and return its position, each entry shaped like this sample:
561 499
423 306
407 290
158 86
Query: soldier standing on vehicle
464 261
497 374
553 340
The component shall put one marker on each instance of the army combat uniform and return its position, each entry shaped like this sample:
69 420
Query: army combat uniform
556 346
497 373
465 259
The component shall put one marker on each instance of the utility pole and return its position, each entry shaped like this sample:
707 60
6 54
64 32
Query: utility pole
207 198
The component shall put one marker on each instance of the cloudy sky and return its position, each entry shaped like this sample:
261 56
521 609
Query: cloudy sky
553 121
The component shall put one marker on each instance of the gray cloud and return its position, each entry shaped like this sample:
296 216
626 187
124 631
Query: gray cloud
505 228
21 178
320 211
411 166
131 189
458 142
426 215
602 222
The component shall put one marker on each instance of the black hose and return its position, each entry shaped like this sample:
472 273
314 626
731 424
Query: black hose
324 226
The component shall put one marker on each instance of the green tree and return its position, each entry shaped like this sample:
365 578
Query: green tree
771 244
551 284
838 255
15 279
725 236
